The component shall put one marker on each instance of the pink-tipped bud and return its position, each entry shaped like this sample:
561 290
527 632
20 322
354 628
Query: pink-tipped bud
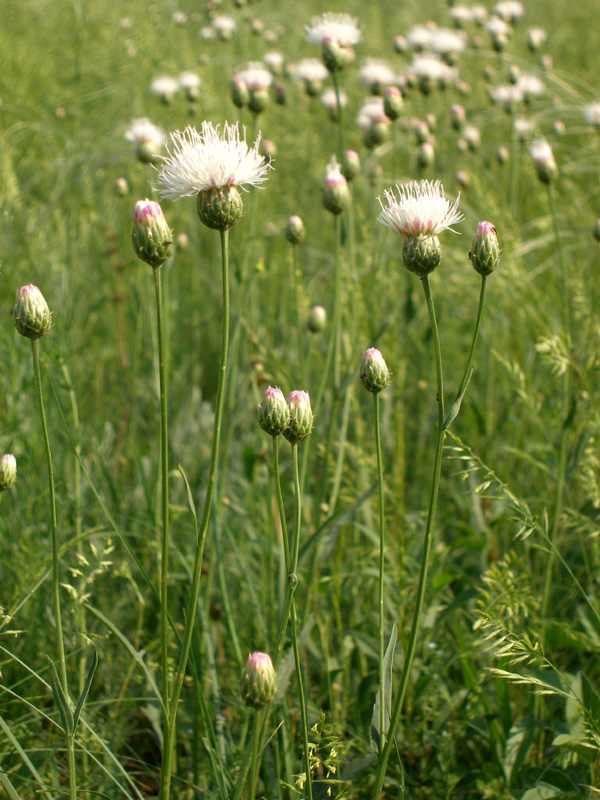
336 56
336 195
182 241
393 102
458 116
317 319
32 315
151 236
425 155
400 44
350 165
239 92
502 155
301 417
543 158
294 230
374 373
259 681
273 412
121 187
485 250
8 472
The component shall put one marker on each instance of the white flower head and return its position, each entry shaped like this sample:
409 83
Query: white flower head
376 72
340 28
496 26
541 152
201 161
506 94
460 15
509 10
445 42
256 76
164 86
274 61
189 81
432 68
419 209
310 70
523 128
530 86
372 110
591 114
223 25
142 131
329 99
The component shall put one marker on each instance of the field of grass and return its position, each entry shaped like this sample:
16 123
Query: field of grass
487 606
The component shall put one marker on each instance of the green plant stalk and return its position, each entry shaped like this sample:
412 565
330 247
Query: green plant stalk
62 664
293 617
382 696
437 468
285 611
467 373
251 758
164 476
169 744
340 113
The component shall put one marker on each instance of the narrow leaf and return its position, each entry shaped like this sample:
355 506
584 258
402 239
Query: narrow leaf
11 792
388 664
61 701
86 689
455 407
190 498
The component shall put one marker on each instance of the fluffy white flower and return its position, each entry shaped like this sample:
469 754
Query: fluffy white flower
445 42
497 27
506 94
523 128
591 114
530 86
340 28
142 131
419 209
329 99
430 67
201 161
419 37
509 10
164 86
460 15
189 81
256 76
310 70
375 73
372 111
274 61
541 152
223 25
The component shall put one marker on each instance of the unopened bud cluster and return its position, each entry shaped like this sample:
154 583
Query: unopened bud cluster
150 235
485 250
8 472
259 681
374 372
32 315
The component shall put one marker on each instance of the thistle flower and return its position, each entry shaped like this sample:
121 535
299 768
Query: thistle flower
591 114
350 165
259 681
340 28
447 43
294 230
536 38
151 236
165 87
31 313
430 70
190 83
317 319
523 128
224 26
543 158
336 195
509 10
419 37
274 61
392 102
374 373
375 74
313 72
419 214
8 472
330 102
212 167
301 417
258 79
273 412
530 86
485 251
148 139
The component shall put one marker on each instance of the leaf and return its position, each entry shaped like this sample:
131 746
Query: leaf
190 498
132 651
519 741
388 664
455 407
10 789
86 689
61 701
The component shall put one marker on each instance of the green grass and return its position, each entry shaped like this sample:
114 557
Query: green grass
474 722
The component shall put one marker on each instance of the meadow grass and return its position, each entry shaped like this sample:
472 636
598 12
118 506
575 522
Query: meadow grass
502 698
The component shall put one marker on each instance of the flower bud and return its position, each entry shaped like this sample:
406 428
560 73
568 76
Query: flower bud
294 230
350 165
182 241
279 92
336 195
8 472
259 681
400 44
374 373
121 187
458 116
596 230
32 315
425 155
239 92
301 417
258 100
421 254
393 102
502 155
273 412
335 56
317 319
485 251
220 208
151 236
268 148
543 158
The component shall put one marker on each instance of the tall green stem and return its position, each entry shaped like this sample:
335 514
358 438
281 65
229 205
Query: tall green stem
340 113
190 617
164 476
437 468
62 664
382 694
285 611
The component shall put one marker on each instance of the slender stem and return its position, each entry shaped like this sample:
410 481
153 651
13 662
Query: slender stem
337 308
340 113
437 468
167 765
382 695
293 617
259 718
251 757
62 664
164 475
285 612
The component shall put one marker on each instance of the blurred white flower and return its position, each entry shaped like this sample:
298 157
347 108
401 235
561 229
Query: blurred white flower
372 110
207 160
309 70
274 61
419 209
340 28
142 131
179 18
497 27
329 100
591 114
376 74
530 86
509 10
165 87
523 129
224 26
256 76
445 42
